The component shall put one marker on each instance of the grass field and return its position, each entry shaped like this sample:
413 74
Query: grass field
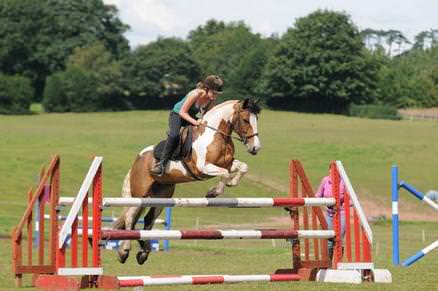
368 148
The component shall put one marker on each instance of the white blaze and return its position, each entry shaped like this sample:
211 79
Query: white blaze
256 141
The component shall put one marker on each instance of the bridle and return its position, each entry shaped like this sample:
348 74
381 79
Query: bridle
242 138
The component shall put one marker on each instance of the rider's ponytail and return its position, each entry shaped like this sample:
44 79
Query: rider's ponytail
212 82
201 85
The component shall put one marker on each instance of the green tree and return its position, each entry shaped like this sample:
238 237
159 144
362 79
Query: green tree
73 90
409 80
420 40
395 37
86 65
370 38
20 23
219 47
211 27
157 74
37 36
433 79
244 80
233 52
425 39
55 94
321 64
99 60
15 94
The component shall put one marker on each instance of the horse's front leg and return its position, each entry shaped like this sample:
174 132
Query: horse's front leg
238 170
213 170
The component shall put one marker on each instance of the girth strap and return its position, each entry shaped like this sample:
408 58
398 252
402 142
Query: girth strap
190 171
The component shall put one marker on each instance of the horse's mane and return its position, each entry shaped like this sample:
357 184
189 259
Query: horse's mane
251 106
218 106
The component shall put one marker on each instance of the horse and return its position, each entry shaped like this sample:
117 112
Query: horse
212 155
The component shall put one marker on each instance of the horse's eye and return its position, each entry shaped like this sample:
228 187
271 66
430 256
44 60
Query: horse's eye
246 120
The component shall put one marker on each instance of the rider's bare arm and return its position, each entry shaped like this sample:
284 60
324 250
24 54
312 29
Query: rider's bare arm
191 99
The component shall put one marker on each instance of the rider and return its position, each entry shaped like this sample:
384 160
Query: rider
184 113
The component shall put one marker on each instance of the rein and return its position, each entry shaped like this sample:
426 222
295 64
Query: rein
242 139
224 134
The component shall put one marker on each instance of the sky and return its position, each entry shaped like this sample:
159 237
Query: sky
150 19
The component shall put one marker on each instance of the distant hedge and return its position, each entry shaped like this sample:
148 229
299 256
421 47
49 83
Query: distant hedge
15 94
374 111
73 90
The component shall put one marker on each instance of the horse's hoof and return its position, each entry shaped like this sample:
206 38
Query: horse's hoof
123 257
142 257
212 193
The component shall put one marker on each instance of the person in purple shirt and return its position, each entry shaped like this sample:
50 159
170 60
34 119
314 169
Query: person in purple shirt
325 191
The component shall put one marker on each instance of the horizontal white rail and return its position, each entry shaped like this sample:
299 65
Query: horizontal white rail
210 202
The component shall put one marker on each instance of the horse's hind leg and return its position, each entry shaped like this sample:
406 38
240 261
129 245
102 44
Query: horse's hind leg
131 217
145 245
159 191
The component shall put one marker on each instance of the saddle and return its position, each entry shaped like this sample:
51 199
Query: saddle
182 150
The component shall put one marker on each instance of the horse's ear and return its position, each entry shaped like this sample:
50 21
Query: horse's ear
245 103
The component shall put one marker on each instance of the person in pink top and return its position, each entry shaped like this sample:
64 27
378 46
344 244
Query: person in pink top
325 191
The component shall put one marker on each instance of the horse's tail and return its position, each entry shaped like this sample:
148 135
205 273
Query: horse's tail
126 192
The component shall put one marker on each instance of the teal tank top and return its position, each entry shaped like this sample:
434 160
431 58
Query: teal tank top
192 111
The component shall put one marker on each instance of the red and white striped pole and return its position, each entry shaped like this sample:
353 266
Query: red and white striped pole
211 234
136 281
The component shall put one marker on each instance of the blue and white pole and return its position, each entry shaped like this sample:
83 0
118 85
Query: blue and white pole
395 185
418 194
395 217
167 226
420 254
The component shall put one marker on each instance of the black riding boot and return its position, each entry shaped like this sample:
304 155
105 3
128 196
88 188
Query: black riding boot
330 253
331 249
160 167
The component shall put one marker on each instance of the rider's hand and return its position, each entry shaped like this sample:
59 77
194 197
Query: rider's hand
198 122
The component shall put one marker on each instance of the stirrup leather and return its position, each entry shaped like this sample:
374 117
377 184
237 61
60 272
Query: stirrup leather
158 169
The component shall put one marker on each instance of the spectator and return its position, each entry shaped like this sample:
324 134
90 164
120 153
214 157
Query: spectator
432 195
325 191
